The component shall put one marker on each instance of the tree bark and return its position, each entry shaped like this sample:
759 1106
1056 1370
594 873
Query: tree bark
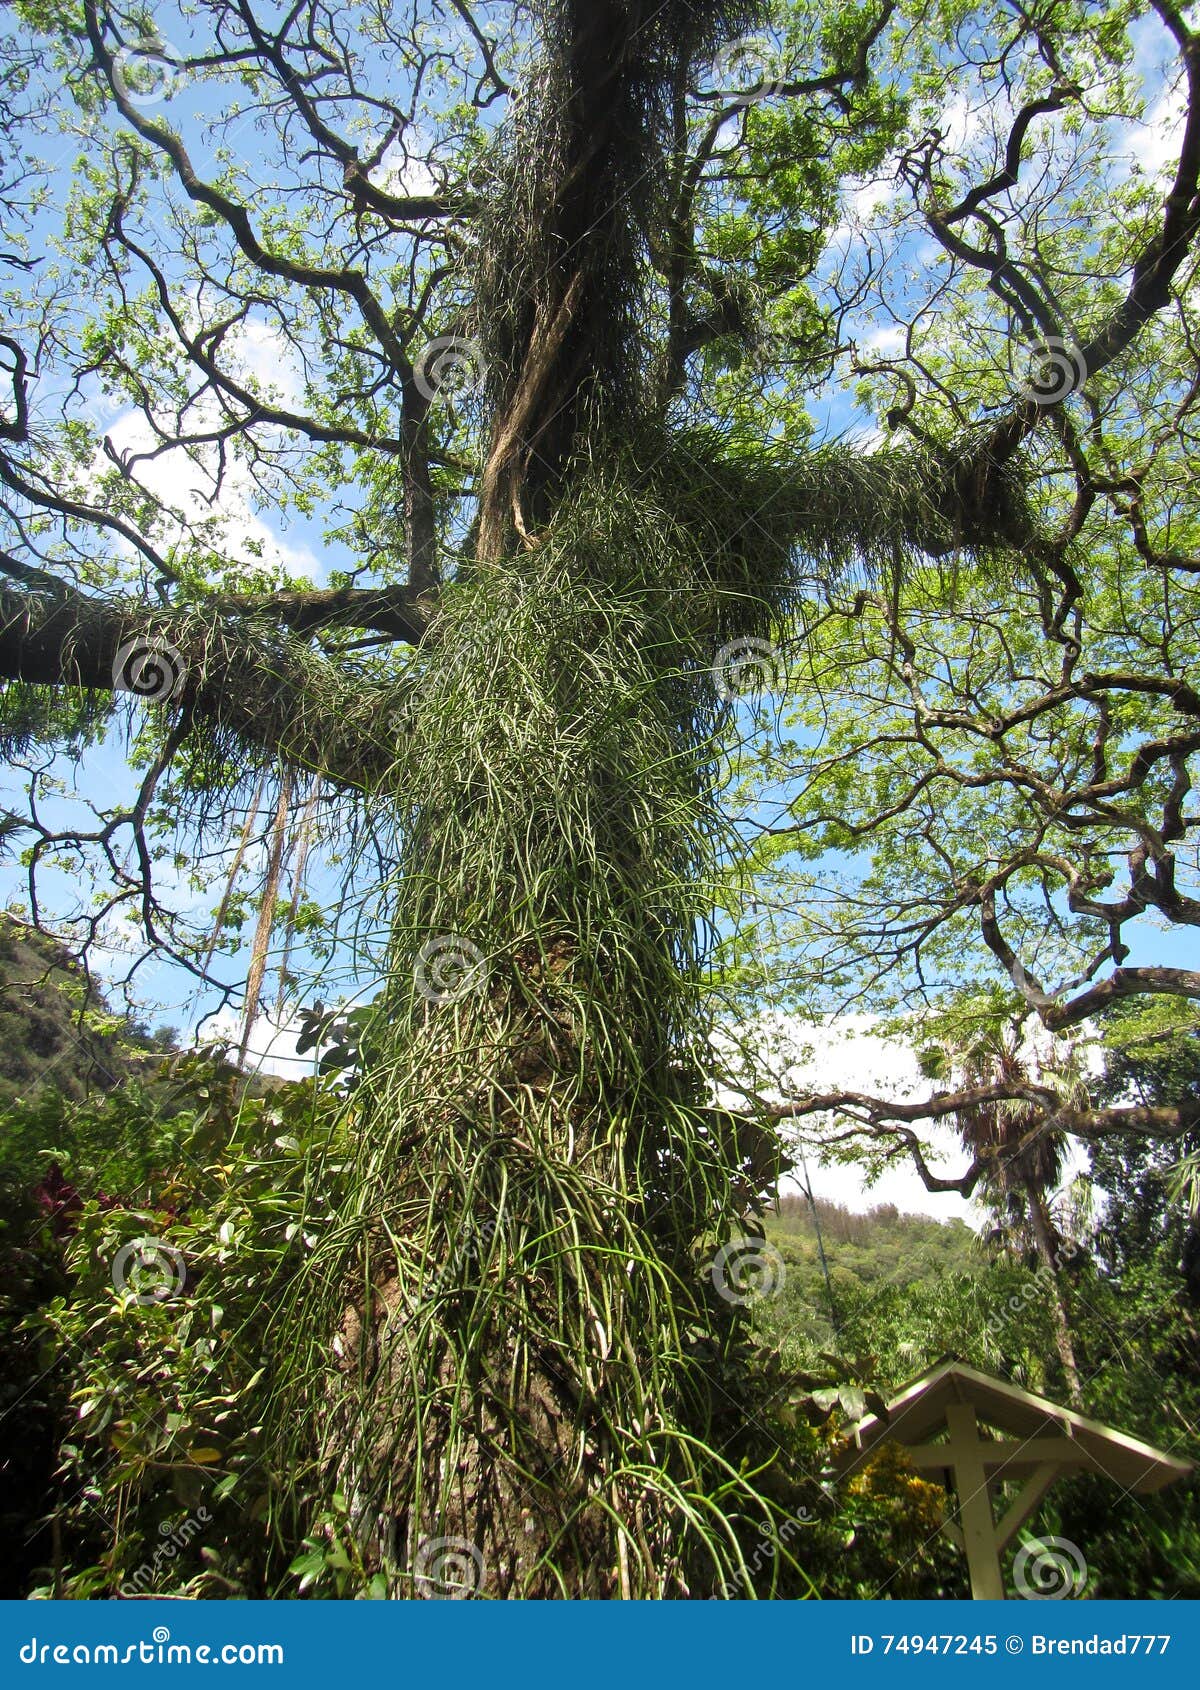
1043 1233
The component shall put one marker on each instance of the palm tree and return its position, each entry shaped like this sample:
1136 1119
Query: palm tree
1022 1153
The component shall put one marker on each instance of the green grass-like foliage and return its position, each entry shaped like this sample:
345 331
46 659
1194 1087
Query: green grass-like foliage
534 1351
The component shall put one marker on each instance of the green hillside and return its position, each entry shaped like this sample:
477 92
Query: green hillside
56 1028
865 1253
880 1243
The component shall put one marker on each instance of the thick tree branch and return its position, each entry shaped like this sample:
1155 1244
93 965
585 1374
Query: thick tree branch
1121 983
238 673
394 611
881 1121
16 427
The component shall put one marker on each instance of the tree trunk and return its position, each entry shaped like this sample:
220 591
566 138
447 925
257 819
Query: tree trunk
1043 1233
533 1364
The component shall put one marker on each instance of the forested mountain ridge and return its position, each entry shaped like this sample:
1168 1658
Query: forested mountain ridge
878 1243
56 1026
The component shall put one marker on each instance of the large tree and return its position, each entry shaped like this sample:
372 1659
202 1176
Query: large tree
511 295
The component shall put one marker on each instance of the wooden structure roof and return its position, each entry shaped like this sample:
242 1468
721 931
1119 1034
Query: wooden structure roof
938 1419
919 1409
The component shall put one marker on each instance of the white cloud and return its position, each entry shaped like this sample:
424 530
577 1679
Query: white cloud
793 1058
405 172
885 340
1162 132
960 121
866 439
186 482
265 354
867 198
191 482
271 1048
861 201
798 1057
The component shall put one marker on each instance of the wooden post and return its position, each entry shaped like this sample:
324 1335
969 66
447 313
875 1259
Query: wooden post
965 1456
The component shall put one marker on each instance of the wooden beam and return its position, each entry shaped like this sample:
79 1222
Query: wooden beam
963 1451
1032 1452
